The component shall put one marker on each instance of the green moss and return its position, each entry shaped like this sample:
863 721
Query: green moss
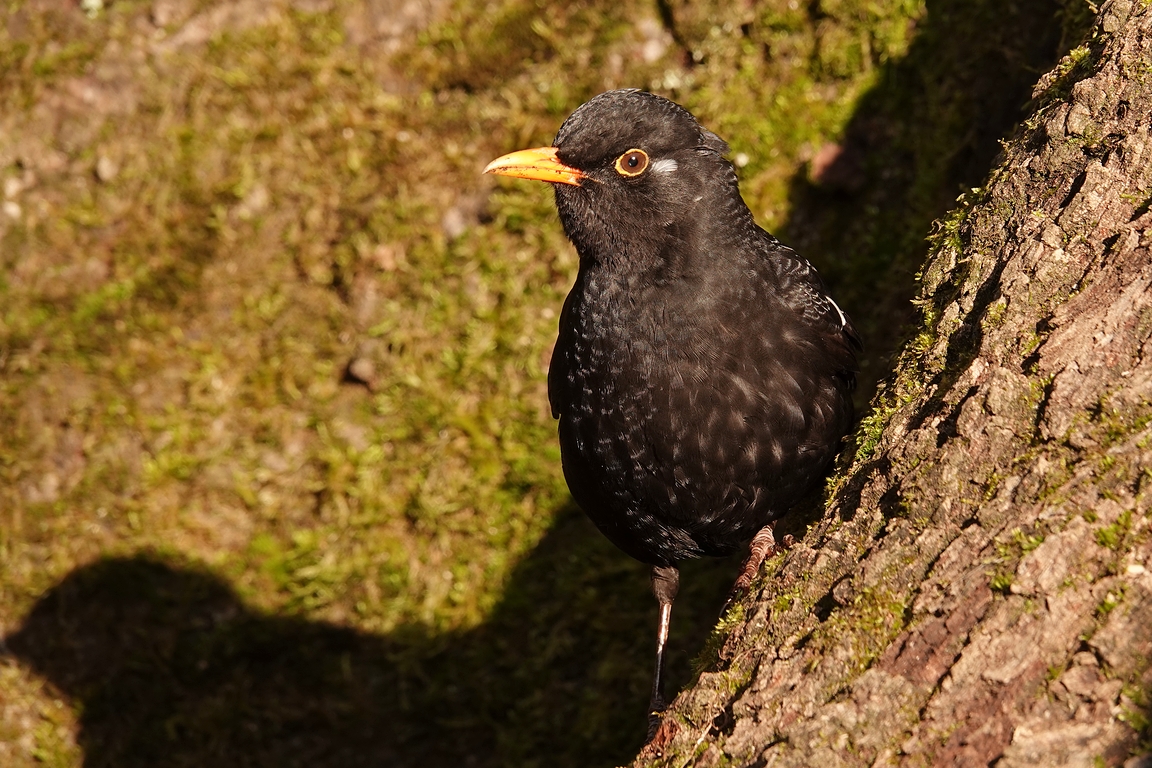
1001 582
1118 424
1136 718
1110 601
68 58
871 429
1025 542
1075 66
866 627
1009 551
1112 536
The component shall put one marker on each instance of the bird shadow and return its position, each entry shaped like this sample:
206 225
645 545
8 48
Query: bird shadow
168 665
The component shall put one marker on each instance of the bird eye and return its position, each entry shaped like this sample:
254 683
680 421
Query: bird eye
632 163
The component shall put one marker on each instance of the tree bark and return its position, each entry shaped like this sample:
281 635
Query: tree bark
979 589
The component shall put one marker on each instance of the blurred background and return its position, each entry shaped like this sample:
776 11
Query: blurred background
278 480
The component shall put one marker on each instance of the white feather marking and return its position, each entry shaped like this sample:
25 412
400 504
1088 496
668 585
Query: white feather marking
843 319
665 165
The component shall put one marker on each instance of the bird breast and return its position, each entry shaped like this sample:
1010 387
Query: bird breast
680 405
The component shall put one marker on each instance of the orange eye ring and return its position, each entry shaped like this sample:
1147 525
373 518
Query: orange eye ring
632 163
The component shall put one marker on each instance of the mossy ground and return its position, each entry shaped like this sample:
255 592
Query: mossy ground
235 547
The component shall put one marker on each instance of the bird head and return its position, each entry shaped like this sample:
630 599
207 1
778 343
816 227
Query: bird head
630 170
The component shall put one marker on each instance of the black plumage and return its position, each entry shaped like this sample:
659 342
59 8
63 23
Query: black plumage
702 375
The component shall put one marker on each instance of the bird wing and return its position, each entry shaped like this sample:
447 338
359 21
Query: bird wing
804 292
558 367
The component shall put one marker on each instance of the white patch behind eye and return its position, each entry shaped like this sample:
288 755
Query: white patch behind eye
666 165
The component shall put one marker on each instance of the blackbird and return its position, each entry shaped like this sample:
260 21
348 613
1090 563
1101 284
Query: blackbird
702 376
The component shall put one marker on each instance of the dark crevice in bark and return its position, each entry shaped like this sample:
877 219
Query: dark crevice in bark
1077 185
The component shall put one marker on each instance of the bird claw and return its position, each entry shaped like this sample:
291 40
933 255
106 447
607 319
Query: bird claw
655 719
763 546
743 581
661 732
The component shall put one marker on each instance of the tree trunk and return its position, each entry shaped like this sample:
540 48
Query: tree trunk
978 591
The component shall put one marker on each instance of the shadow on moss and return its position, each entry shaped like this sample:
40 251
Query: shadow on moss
169 666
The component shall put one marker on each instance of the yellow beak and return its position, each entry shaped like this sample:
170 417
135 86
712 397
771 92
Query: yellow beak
539 163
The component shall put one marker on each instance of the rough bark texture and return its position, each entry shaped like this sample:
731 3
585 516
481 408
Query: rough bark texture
979 591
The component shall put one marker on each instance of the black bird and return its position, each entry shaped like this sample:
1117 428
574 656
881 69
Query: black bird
702 375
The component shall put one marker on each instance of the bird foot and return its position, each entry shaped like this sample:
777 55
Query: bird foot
763 546
655 718
661 731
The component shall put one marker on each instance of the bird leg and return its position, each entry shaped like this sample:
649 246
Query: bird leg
762 547
665 584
